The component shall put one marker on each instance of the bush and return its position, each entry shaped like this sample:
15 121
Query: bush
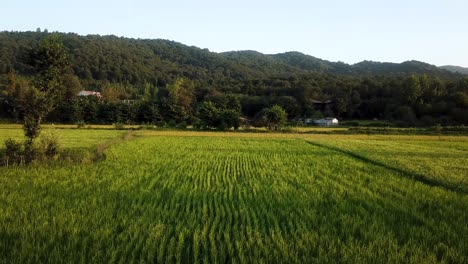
80 124
49 144
229 118
182 124
160 124
273 118
222 126
119 126
351 123
287 129
438 128
198 124
13 152
172 123
246 126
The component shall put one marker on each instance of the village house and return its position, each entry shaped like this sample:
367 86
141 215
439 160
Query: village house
84 93
328 121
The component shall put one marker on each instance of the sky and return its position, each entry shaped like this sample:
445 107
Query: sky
433 31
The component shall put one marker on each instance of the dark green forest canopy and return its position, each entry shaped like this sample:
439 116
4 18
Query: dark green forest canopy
136 69
118 59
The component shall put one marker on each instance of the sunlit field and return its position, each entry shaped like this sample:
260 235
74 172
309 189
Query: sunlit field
191 197
68 137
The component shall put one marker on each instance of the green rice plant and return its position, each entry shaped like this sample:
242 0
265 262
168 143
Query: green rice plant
191 197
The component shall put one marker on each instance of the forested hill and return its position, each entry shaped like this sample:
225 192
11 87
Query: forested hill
456 69
119 59
144 70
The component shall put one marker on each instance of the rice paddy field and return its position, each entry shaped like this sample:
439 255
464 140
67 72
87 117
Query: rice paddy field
224 197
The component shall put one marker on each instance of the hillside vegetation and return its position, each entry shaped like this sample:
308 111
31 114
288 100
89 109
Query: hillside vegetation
456 69
409 93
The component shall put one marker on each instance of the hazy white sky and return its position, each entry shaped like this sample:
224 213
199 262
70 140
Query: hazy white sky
434 31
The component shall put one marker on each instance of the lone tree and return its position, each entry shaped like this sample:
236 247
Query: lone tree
274 117
50 60
219 116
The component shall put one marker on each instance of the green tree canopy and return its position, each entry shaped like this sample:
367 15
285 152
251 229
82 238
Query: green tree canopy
274 117
50 60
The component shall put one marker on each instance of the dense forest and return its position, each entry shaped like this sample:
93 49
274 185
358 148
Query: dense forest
165 82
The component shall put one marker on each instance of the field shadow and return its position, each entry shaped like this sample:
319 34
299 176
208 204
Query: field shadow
405 173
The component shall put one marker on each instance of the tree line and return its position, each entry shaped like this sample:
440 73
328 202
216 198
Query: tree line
164 82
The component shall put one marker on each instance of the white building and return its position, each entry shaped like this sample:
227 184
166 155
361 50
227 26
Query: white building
328 121
89 93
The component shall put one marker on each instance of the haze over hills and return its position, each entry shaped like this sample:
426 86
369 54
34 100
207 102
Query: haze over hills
456 69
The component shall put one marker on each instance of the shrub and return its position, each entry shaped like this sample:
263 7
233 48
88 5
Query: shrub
182 124
13 152
221 126
119 126
351 123
274 118
80 124
287 129
198 124
160 123
49 144
246 126
172 123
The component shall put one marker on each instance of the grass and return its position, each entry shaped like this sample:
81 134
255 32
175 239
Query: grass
436 161
69 138
191 197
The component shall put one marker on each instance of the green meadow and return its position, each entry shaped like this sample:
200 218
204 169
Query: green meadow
224 197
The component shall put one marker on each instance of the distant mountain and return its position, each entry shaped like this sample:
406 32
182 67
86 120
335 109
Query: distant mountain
119 59
394 68
127 68
303 61
455 69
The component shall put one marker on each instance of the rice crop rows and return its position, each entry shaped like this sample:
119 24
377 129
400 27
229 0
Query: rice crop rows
236 199
438 161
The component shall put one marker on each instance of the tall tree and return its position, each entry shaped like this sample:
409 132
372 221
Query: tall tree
274 117
412 89
180 102
50 60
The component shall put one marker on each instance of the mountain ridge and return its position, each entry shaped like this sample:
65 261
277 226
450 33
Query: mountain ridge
147 70
455 69
115 59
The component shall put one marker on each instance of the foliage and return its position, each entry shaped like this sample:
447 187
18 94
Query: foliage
50 60
230 118
180 102
274 118
119 126
13 152
49 144
221 115
174 79
208 114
